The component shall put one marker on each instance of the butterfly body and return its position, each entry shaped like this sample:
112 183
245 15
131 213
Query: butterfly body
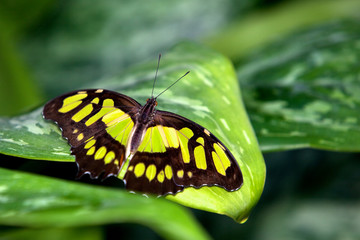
143 119
152 151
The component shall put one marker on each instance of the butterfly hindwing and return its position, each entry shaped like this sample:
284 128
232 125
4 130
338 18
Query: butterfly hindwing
177 153
152 173
97 124
101 154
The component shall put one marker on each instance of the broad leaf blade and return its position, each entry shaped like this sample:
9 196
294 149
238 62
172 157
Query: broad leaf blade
30 136
209 95
89 233
42 202
303 91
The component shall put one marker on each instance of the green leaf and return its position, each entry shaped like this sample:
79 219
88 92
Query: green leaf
41 202
239 38
29 136
17 88
209 95
11 10
87 41
310 219
90 233
303 91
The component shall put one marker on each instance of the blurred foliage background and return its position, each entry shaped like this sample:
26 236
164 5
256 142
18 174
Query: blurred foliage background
50 47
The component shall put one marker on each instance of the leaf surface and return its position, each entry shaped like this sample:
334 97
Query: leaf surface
303 91
42 202
209 95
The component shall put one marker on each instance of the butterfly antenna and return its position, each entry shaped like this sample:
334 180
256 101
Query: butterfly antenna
172 84
156 73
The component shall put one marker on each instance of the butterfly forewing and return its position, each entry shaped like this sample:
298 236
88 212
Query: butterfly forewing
97 124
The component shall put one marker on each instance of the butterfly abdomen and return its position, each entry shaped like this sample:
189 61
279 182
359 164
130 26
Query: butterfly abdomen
136 137
143 119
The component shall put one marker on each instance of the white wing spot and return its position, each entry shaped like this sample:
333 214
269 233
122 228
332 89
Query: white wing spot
246 137
206 132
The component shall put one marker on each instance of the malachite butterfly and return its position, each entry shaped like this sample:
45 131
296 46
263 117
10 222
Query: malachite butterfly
152 151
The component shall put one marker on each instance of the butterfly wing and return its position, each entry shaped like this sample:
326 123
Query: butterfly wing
97 124
176 153
151 172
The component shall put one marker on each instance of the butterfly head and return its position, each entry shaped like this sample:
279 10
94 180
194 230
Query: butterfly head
152 101
147 111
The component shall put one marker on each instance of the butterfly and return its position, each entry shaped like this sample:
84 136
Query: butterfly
152 151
